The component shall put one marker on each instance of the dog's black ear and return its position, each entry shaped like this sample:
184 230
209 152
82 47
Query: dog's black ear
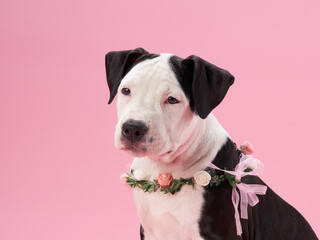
118 63
203 83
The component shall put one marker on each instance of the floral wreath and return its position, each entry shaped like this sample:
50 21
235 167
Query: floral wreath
208 178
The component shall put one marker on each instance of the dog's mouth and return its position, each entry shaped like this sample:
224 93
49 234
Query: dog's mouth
165 154
135 151
146 147
142 151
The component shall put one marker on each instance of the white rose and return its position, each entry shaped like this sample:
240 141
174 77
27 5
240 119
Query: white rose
253 165
140 175
202 178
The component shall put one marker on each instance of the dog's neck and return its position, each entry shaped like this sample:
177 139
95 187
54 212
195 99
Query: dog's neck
191 156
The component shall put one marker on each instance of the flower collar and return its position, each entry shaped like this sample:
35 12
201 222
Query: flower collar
167 184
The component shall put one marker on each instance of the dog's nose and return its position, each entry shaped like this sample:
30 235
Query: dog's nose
134 130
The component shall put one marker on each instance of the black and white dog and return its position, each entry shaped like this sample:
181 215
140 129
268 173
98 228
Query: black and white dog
164 121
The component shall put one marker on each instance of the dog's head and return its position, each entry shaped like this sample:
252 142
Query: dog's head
161 99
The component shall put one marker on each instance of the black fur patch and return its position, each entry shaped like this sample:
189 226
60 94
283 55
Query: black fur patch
204 84
272 218
119 63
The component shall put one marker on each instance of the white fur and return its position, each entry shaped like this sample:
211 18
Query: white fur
183 144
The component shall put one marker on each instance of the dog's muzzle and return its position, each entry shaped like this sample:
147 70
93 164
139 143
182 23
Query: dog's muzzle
133 131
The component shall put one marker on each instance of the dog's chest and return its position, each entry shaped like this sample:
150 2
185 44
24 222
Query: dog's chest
166 216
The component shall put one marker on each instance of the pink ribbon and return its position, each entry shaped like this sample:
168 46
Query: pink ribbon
248 192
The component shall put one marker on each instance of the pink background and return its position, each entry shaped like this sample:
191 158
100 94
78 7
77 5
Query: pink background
59 170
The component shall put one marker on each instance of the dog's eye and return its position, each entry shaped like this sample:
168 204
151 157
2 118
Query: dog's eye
125 91
172 100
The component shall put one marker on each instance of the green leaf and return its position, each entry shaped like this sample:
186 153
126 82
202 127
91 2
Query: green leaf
176 186
175 181
148 188
189 181
145 186
217 183
233 183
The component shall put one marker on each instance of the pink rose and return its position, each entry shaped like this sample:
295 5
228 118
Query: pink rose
164 179
123 180
246 148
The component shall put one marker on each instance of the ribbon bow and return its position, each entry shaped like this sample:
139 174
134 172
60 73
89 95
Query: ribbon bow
248 192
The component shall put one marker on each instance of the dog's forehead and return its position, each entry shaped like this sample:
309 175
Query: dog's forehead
152 71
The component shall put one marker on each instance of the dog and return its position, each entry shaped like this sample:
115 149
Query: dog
164 121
